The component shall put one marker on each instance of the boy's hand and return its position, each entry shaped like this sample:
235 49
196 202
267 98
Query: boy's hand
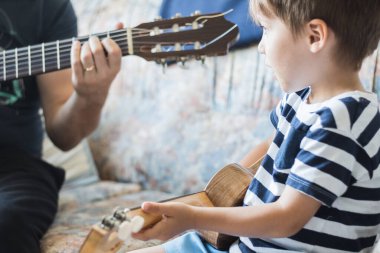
176 218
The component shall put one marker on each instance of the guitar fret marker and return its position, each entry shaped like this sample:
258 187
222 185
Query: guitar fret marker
130 41
4 66
16 60
58 59
29 62
43 57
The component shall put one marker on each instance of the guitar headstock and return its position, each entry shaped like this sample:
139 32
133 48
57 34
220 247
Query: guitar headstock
183 38
110 234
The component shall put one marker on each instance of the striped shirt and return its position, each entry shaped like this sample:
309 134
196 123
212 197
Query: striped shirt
329 151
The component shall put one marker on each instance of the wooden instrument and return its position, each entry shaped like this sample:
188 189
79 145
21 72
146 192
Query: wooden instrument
177 39
226 188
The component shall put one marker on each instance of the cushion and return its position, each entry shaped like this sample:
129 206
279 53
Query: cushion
78 163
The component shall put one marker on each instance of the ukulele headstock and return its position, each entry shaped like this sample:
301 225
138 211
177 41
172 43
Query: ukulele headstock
183 38
110 234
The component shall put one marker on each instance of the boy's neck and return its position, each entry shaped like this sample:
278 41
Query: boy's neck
333 83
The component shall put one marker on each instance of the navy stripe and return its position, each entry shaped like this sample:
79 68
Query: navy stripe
263 244
348 218
303 93
244 249
326 166
370 131
261 192
288 112
355 108
278 177
327 118
312 189
333 242
274 118
279 138
361 193
343 143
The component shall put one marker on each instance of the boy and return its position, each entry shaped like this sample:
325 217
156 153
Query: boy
318 187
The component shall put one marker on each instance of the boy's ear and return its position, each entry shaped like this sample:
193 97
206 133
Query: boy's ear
317 33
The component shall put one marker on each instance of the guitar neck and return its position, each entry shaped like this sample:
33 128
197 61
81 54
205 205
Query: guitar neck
196 199
48 57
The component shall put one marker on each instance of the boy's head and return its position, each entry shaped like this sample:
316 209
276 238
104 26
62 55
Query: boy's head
355 23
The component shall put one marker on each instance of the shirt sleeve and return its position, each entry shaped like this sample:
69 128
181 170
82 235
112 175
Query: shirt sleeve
323 167
59 20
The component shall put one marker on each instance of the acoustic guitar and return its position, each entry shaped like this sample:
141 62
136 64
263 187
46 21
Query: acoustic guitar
178 39
226 188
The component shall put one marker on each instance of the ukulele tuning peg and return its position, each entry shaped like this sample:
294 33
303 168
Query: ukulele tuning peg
124 231
177 15
108 222
137 223
158 18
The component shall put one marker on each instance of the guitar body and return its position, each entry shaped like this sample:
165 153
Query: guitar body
227 188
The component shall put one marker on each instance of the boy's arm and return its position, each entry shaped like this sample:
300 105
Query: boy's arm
282 218
256 153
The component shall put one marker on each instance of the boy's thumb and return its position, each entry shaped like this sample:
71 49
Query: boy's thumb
151 207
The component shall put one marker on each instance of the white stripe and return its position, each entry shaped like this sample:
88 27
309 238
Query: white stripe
266 179
364 119
358 206
328 152
373 146
251 199
341 115
340 230
324 180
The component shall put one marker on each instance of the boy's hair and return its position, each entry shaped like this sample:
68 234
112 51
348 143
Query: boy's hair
355 23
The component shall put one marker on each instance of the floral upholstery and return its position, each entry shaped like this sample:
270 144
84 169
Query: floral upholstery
166 132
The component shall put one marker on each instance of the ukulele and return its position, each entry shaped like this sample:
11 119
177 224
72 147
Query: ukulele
178 39
226 188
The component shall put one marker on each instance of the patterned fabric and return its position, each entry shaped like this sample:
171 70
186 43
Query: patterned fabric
329 151
72 226
167 131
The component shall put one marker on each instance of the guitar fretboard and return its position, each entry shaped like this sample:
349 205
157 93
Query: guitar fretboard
47 57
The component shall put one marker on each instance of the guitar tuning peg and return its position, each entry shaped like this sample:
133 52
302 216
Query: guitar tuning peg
124 231
164 65
196 13
158 18
178 15
203 59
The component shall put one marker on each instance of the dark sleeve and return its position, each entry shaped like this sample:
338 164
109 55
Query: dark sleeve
58 20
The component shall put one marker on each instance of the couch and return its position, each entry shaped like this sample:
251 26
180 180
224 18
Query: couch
162 134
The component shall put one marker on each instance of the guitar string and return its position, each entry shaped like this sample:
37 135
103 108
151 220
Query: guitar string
67 48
